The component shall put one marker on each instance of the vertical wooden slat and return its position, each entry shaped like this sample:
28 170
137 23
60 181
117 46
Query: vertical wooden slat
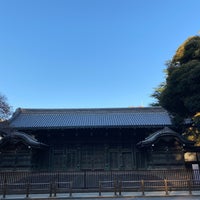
166 187
99 188
189 187
120 188
27 190
51 189
142 187
115 187
70 189
5 188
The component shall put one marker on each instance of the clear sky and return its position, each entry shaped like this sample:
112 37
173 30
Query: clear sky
89 53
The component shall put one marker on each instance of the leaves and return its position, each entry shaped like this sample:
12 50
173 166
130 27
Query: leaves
193 132
188 51
181 93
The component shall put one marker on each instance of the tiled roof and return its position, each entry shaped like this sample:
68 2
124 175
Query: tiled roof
82 118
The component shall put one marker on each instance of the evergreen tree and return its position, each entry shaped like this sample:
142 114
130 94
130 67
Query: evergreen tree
180 94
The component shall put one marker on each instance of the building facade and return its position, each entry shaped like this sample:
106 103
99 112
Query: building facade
93 139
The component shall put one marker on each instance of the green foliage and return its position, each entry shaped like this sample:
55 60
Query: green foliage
181 93
193 132
157 93
188 51
159 90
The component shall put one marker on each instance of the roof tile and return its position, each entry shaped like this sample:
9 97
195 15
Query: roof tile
80 118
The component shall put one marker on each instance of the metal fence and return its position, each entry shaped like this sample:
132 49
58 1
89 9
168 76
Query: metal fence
116 181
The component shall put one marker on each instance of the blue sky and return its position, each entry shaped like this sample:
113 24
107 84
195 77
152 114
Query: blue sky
89 53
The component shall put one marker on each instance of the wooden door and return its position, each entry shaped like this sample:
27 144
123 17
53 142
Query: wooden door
114 160
87 157
127 161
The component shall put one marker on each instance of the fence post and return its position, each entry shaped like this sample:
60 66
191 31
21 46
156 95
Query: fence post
50 189
99 188
70 189
142 187
4 188
166 187
120 188
84 180
115 188
55 189
27 190
189 186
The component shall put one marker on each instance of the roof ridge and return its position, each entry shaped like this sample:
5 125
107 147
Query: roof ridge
29 110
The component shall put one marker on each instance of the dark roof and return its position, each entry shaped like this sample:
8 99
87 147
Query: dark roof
163 133
82 118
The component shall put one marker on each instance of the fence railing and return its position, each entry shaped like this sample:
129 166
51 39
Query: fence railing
155 185
113 181
108 186
37 188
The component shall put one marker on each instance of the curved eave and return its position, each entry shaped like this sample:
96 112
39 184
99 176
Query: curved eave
16 137
155 137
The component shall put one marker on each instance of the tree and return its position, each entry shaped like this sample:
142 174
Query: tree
180 94
193 132
157 93
158 90
5 109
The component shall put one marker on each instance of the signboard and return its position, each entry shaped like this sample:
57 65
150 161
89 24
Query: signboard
190 157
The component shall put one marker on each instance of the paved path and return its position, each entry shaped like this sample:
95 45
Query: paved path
175 195
116 198
153 198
